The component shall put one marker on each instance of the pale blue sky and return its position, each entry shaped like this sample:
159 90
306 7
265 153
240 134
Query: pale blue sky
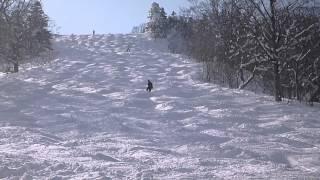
105 16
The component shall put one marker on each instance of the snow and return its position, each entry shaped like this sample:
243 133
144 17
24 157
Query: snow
86 115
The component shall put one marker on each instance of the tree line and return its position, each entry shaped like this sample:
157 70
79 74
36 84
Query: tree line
273 45
24 33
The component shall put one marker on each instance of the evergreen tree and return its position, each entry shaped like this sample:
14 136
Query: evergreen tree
4 38
172 21
38 29
163 24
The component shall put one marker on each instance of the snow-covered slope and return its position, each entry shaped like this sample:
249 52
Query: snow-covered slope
87 116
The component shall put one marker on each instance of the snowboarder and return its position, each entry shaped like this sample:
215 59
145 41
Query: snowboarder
128 48
150 86
93 32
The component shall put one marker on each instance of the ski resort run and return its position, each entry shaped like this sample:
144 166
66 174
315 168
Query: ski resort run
87 115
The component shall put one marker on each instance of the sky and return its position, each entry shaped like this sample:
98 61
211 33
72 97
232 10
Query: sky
103 16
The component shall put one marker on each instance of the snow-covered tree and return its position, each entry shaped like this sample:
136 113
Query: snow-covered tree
179 31
274 44
157 24
18 33
24 32
139 29
279 34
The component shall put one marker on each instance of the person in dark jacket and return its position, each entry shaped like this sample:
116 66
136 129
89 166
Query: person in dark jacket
128 48
150 86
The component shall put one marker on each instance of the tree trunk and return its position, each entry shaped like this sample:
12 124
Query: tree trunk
297 86
277 90
313 95
244 84
15 67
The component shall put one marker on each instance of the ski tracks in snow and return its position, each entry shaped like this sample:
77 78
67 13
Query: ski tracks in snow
87 116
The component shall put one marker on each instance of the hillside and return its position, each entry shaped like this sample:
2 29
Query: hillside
87 115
